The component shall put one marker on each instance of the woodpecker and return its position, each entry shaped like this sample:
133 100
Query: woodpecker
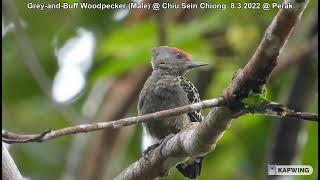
166 88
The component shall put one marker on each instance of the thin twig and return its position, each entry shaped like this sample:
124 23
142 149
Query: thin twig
84 128
269 109
303 115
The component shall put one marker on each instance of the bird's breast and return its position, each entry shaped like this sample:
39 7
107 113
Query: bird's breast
161 94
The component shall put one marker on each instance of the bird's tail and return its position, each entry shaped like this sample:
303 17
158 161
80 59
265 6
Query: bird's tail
191 168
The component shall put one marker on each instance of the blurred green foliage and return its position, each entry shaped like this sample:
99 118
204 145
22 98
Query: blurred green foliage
241 153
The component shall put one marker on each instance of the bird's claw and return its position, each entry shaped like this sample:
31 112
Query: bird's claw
146 153
164 141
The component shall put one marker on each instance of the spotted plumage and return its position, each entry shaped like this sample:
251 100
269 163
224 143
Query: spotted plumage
192 167
193 97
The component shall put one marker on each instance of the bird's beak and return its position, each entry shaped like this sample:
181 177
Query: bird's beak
194 64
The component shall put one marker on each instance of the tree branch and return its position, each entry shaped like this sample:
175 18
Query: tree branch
84 128
194 141
122 95
9 168
295 56
279 110
268 109
285 143
201 138
257 71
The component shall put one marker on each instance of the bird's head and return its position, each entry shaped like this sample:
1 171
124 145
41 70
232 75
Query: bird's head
173 60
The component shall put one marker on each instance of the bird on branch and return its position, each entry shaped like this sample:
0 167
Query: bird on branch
166 88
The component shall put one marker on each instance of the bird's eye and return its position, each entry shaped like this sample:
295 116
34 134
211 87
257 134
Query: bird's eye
179 56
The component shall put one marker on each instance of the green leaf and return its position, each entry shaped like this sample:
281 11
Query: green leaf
255 98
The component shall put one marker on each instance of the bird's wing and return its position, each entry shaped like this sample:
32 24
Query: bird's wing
193 97
192 168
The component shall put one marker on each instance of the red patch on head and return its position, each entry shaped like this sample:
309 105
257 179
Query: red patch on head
186 55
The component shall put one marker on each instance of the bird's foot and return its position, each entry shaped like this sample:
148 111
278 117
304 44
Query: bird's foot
146 153
164 141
